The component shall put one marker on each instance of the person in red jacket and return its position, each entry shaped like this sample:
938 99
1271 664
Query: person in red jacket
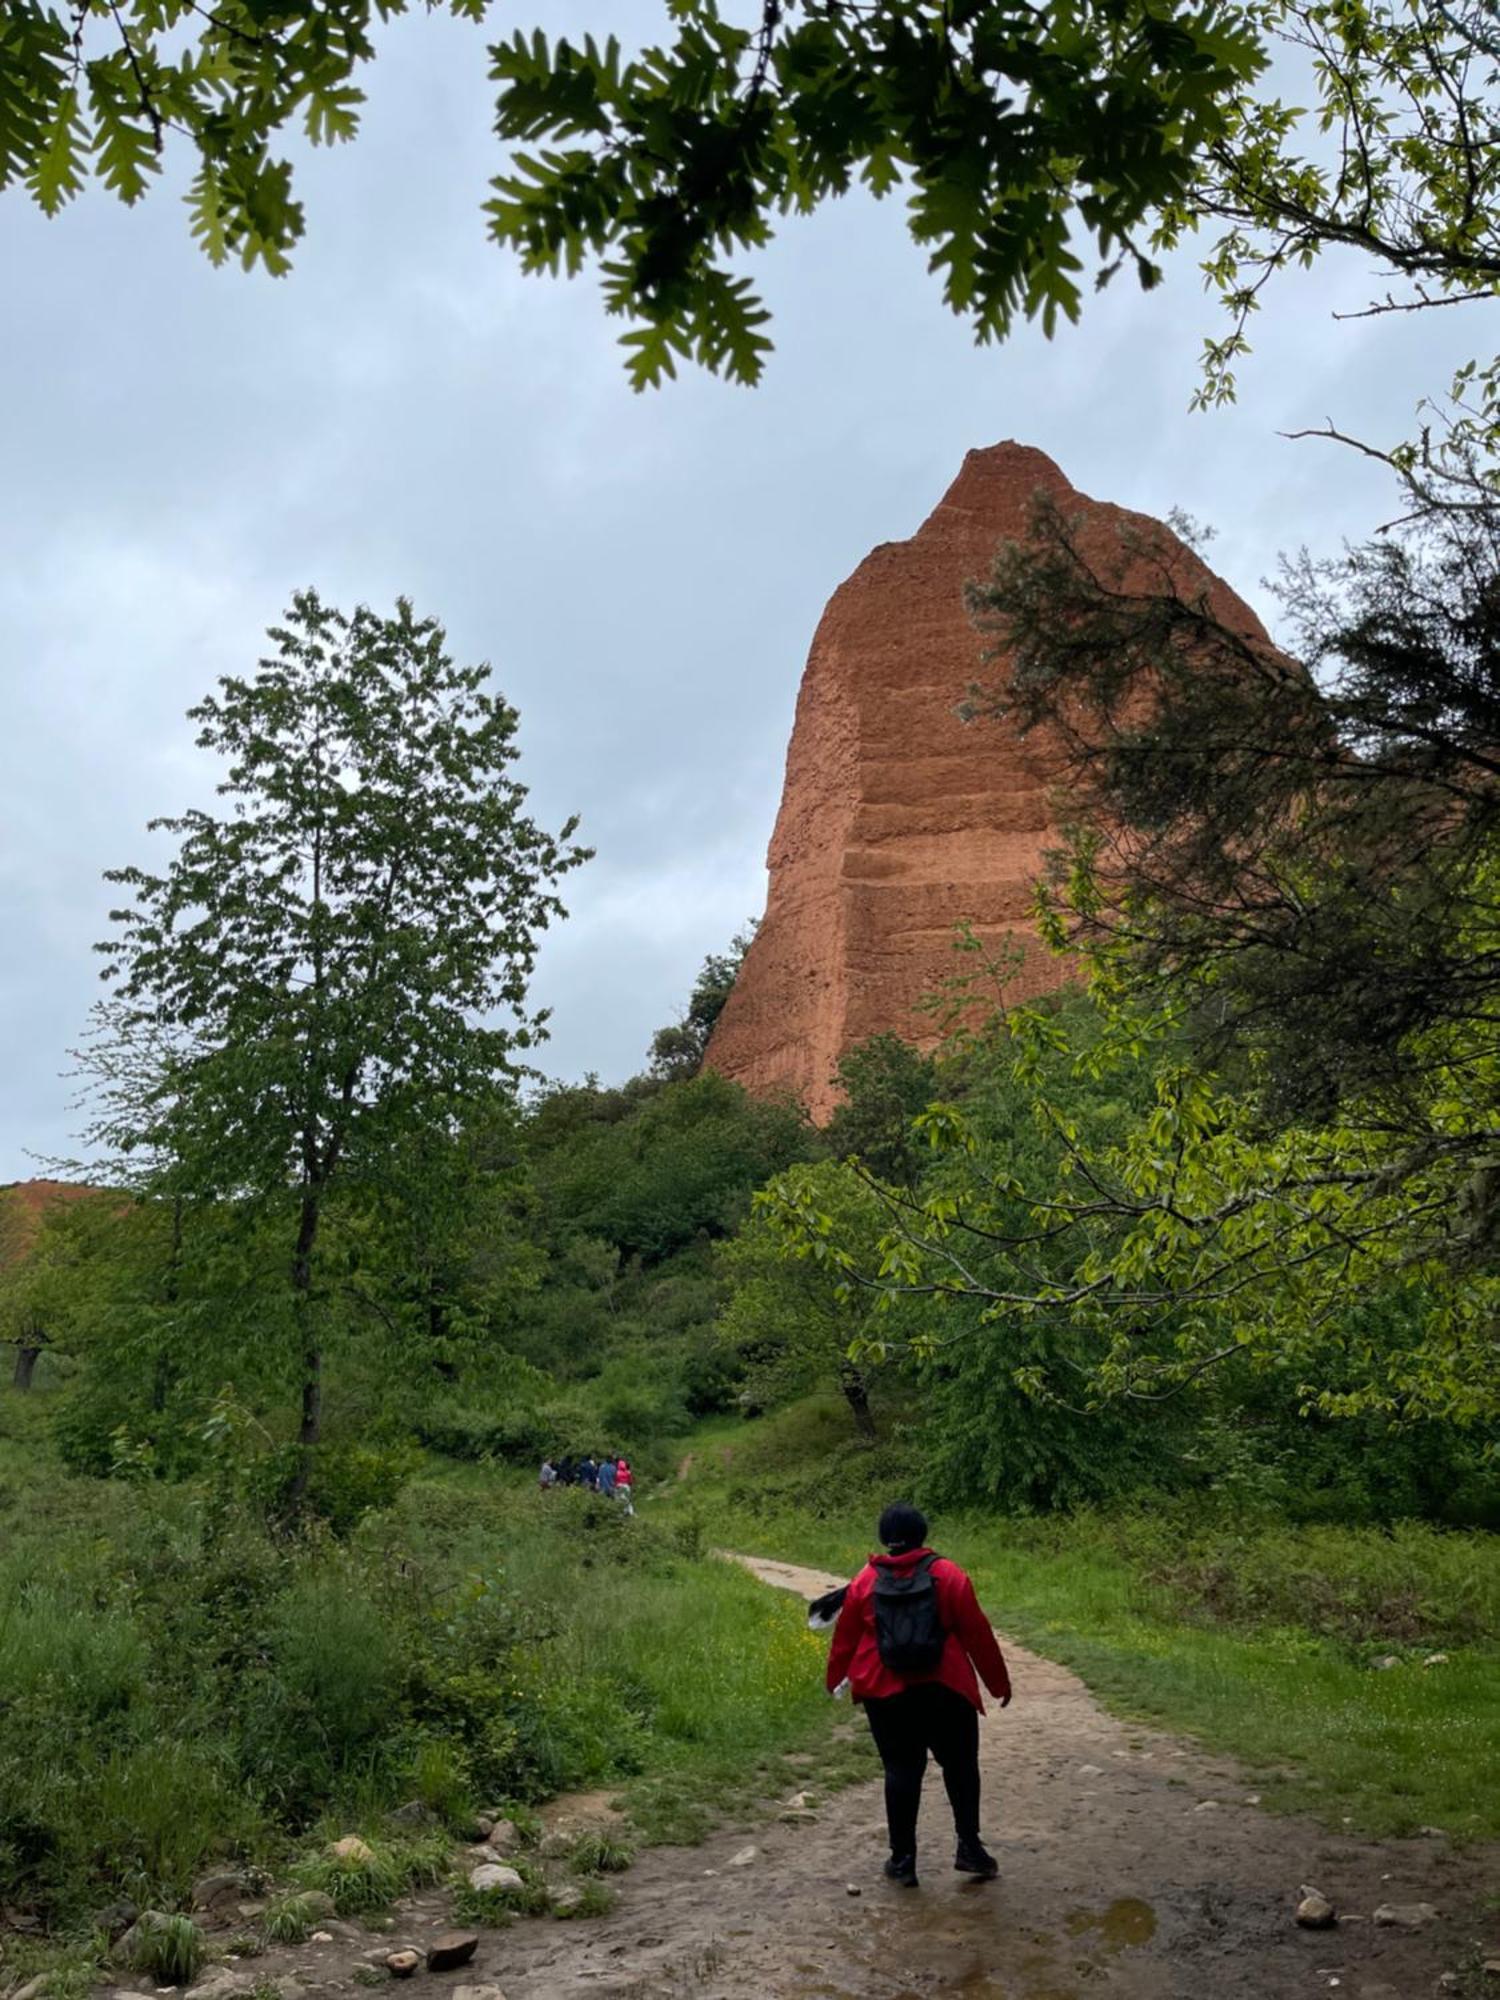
912 1713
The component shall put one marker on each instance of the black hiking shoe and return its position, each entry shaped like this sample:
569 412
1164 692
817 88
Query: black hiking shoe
902 1868
972 1859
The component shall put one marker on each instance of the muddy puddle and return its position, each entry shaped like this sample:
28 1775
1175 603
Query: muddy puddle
971 1946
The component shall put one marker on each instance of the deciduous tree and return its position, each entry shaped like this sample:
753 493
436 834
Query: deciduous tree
335 961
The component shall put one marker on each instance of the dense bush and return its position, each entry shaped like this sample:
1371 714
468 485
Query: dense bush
175 1679
683 1166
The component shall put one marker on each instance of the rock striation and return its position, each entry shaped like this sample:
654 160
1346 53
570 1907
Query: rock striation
898 821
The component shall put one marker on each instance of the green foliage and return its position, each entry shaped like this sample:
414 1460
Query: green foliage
681 1167
186 1686
884 1083
278 998
1143 1227
1415 1586
168 1948
677 1052
599 1853
334 1667
352 1480
1029 144
460 1430
793 1322
661 167
359 1885
439 1780
288 1919
100 91
592 1898
1393 156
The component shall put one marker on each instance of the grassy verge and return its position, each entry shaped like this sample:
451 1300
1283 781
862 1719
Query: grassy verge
1258 1637
181 1689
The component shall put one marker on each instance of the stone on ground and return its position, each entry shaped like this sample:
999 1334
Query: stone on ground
1406 1916
1314 1911
494 1875
217 1892
450 1949
351 1848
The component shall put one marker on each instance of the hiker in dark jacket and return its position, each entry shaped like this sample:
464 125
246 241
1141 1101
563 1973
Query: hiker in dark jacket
919 1610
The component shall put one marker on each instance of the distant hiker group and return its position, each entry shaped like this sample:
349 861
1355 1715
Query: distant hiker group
610 1476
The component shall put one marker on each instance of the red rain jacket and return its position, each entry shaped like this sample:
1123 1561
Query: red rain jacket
970 1643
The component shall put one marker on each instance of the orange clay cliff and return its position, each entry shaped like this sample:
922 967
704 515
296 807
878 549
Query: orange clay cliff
898 821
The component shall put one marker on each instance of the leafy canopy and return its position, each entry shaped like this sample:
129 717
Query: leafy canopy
1030 143
677 1051
1012 127
344 952
98 86
1015 130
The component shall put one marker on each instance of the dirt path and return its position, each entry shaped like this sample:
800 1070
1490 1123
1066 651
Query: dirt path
1132 1866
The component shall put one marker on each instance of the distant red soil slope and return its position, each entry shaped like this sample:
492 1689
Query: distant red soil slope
897 820
22 1206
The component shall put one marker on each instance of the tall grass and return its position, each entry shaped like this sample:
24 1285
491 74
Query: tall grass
177 1683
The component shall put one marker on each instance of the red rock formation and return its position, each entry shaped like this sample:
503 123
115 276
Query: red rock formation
23 1204
898 821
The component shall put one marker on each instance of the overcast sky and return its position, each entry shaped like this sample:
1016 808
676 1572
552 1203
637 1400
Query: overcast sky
183 447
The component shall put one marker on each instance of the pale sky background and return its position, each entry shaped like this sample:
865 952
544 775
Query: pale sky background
184 447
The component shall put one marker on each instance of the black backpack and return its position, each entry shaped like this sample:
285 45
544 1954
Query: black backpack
908 1629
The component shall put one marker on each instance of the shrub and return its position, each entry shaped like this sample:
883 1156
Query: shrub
149 1815
1414 1583
351 1480
168 1948
289 1918
600 1853
440 1780
324 1697
589 1899
358 1885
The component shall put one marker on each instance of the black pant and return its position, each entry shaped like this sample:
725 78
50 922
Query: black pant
905 1727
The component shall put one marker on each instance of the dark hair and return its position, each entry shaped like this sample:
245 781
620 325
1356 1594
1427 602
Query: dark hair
902 1526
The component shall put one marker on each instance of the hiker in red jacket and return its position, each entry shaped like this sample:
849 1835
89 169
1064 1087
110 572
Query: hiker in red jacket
909 1637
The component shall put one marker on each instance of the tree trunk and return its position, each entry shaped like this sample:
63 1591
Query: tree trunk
857 1396
164 1372
437 1333
310 1430
27 1354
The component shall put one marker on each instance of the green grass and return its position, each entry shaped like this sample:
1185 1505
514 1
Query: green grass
169 1948
600 1854
183 1686
1252 1635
